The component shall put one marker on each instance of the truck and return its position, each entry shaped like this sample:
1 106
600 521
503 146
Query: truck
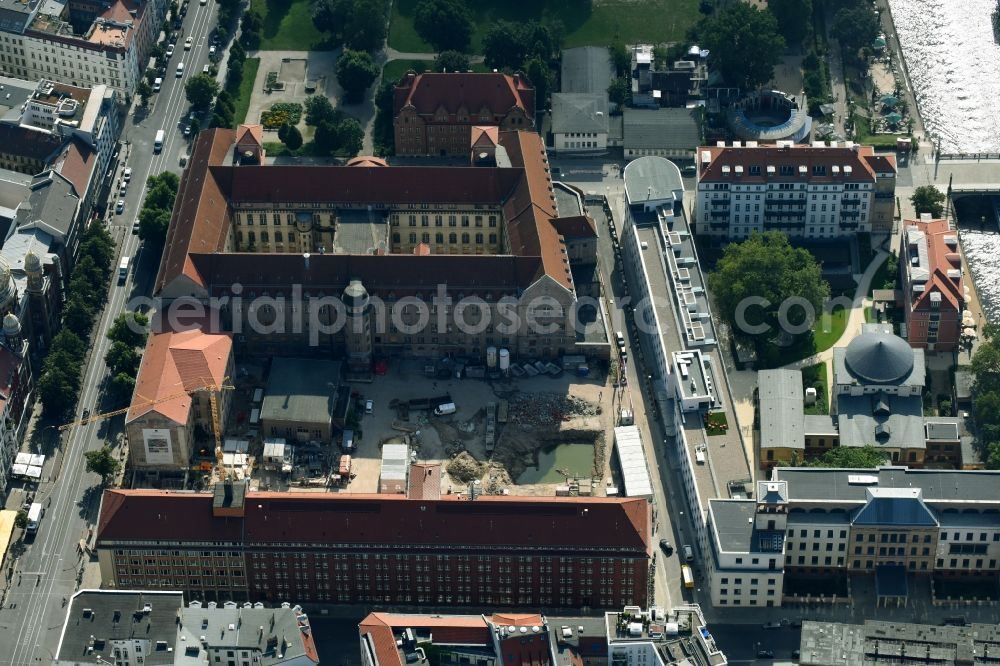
35 513
123 269
688 576
158 141
445 408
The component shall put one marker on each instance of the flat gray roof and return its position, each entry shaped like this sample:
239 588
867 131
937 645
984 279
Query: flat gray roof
819 424
300 389
586 69
651 178
963 486
661 129
781 396
733 523
99 619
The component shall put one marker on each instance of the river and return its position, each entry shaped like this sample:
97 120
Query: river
954 65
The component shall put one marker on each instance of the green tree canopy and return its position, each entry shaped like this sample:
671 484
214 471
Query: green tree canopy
794 18
620 92
985 366
144 91
356 71
928 199
754 278
360 24
744 43
508 45
200 90
293 137
129 328
865 457
444 24
621 57
451 61
103 463
855 26
122 358
318 109
251 27
540 74
78 315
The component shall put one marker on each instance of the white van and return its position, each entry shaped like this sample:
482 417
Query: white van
446 408
180 70
157 84
123 269
688 553
158 141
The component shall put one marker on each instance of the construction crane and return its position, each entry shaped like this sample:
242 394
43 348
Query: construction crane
213 392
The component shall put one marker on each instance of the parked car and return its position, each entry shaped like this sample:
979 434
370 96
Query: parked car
123 189
120 206
369 406
771 625
170 50
127 174
211 51
135 227
187 44
666 547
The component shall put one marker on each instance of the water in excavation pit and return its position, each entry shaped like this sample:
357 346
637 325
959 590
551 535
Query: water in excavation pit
574 459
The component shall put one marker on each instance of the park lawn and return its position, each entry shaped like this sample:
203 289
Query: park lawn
829 328
241 98
607 21
864 136
288 26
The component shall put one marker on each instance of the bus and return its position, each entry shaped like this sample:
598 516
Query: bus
158 141
687 576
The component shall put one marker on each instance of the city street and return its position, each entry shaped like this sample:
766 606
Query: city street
48 570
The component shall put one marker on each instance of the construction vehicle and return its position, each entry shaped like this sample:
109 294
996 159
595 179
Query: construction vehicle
213 392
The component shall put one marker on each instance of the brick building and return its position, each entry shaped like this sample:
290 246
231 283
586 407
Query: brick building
933 292
433 112
565 552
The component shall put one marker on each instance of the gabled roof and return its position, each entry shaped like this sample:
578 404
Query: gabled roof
472 91
575 226
937 246
250 134
781 409
899 507
791 158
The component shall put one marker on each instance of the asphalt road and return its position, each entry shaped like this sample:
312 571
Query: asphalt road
32 617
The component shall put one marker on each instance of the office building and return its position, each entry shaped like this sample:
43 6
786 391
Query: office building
807 529
554 552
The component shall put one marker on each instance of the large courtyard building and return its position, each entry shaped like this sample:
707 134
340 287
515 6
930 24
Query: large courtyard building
384 549
811 192
808 529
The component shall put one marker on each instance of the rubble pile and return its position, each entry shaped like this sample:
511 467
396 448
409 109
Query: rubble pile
464 468
531 410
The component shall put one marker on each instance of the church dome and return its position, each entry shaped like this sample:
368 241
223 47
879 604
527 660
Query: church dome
11 325
7 290
32 264
879 358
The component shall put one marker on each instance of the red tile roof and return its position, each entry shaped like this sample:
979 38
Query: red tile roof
201 219
381 628
498 92
616 525
940 259
575 226
424 481
174 363
794 157
76 164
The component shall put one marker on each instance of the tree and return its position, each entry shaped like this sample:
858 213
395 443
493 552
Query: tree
57 392
356 71
855 26
129 328
21 519
293 137
251 26
763 272
365 31
444 24
122 358
541 77
503 45
621 57
69 342
122 385
200 90
103 463
794 18
928 199
620 92
153 225
451 61
144 91
78 316
744 43
351 136
865 457
318 109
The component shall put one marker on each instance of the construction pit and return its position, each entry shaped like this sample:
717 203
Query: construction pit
500 434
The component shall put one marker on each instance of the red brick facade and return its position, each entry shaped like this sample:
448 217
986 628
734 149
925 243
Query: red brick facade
501 552
932 289
434 113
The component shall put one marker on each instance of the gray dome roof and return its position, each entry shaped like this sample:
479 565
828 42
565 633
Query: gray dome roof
11 325
879 358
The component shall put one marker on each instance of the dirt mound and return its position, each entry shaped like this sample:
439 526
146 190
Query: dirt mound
464 468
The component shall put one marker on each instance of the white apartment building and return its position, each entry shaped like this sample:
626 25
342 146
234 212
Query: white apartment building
814 524
38 41
812 192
